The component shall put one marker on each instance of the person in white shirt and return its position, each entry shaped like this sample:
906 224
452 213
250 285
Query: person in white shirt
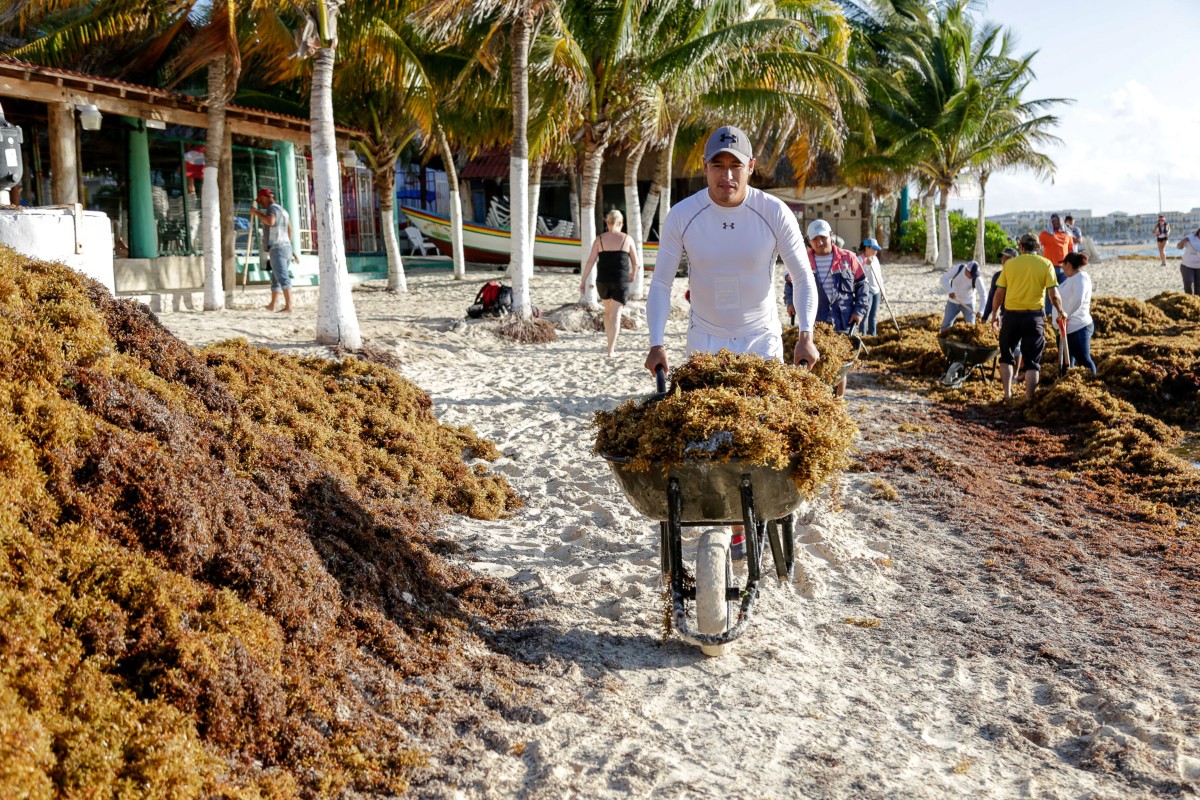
961 284
870 263
732 235
1189 267
1076 294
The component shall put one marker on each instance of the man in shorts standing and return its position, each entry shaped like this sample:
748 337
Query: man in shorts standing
1019 289
732 234
279 246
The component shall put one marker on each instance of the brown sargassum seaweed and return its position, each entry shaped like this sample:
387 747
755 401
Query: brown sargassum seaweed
836 349
1148 358
218 573
739 407
976 335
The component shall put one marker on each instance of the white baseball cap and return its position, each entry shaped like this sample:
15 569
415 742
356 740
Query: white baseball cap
818 227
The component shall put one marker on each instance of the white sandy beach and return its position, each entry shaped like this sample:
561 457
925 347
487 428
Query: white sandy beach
940 699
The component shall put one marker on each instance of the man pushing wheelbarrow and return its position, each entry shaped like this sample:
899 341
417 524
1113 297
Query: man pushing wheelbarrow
732 234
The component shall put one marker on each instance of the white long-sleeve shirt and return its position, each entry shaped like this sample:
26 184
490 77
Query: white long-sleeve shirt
1076 295
874 274
731 256
958 282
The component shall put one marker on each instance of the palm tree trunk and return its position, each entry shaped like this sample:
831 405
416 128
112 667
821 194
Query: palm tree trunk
573 195
633 215
946 255
228 215
456 218
593 161
337 322
653 195
535 192
214 287
980 225
520 264
385 188
931 237
664 201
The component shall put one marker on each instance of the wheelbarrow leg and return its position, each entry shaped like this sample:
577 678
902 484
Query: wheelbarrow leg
674 536
664 549
788 531
778 551
753 533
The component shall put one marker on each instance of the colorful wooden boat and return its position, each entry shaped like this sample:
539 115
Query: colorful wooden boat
492 245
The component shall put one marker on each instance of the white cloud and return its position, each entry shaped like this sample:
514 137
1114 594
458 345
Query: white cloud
1114 151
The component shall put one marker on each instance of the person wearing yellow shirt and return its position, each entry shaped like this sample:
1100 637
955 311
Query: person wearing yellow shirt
1019 290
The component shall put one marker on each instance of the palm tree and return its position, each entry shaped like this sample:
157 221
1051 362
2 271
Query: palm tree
958 92
380 112
309 31
517 19
777 68
215 46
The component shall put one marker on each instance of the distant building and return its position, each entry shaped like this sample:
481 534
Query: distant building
1115 228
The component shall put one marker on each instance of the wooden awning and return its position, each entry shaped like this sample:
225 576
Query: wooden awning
111 96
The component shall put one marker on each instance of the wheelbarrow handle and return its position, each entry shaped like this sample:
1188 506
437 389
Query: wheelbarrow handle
660 378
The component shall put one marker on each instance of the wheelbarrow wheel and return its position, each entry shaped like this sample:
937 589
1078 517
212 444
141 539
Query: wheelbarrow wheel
713 574
956 374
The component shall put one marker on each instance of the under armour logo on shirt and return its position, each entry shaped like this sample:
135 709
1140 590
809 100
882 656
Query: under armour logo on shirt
727 225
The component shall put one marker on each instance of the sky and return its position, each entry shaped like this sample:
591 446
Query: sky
1132 67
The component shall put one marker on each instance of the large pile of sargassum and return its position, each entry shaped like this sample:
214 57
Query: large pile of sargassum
1124 421
217 571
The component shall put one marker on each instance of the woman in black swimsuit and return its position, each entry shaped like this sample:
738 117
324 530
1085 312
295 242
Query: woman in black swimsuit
618 264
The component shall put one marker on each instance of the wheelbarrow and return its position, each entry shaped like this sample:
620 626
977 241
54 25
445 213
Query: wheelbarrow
966 360
709 493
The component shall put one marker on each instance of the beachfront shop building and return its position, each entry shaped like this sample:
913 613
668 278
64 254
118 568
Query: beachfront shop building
137 154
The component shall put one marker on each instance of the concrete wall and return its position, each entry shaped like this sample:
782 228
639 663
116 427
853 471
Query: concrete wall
80 239
162 274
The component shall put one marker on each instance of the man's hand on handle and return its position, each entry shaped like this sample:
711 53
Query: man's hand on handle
805 350
656 358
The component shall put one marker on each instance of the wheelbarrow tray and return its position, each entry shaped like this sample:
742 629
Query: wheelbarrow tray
969 354
711 490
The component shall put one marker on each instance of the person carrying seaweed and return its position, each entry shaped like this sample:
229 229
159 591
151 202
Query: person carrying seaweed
732 234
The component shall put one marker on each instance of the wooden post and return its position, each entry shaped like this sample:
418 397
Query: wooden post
64 166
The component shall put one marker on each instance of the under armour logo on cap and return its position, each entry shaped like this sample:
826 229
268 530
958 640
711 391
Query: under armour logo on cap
728 139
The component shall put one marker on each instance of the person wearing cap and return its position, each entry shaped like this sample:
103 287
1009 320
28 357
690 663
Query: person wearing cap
732 235
841 284
1162 231
874 273
279 246
961 284
1019 289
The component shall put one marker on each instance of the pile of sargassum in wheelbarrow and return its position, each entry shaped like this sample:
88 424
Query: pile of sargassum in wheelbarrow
734 439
